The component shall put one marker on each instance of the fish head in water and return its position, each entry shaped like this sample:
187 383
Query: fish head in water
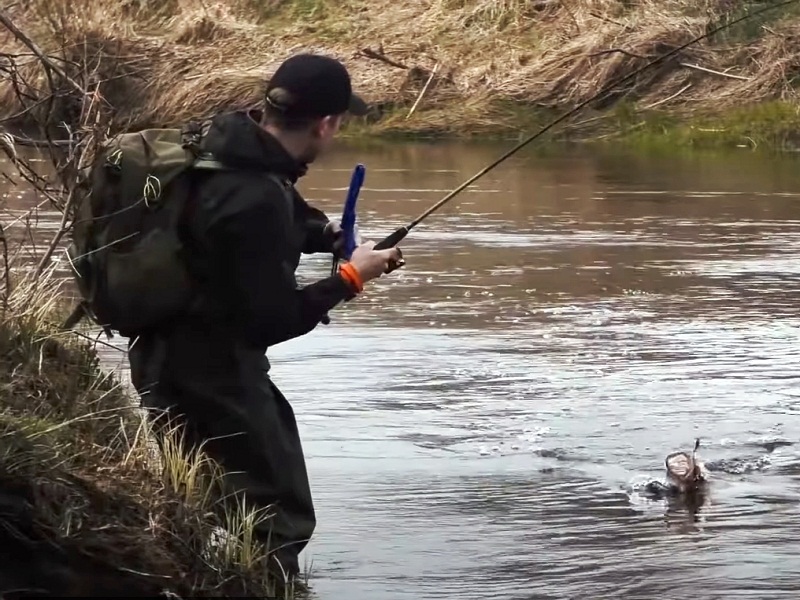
684 471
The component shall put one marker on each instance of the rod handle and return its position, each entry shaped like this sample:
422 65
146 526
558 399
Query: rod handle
391 241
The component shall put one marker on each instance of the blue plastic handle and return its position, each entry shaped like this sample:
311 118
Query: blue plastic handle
349 213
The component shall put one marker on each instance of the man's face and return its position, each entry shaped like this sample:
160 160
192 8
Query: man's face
322 136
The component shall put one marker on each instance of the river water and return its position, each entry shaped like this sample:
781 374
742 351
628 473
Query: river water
478 423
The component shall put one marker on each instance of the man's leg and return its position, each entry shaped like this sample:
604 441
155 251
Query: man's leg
250 429
147 358
268 467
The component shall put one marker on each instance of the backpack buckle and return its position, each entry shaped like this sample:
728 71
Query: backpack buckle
191 134
152 190
114 159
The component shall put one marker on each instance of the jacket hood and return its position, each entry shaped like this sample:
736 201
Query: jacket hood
237 139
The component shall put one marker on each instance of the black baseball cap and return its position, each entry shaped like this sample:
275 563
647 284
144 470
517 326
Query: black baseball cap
313 85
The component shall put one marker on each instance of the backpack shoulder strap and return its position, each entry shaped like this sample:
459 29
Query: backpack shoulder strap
209 163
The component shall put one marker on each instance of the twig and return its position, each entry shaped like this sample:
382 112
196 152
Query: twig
72 198
8 146
6 271
668 98
751 140
607 20
621 51
369 53
578 124
142 574
571 14
46 61
713 72
683 64
67 156
424 89
26 110
26 141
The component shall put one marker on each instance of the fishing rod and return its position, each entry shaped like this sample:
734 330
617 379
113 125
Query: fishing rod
399 234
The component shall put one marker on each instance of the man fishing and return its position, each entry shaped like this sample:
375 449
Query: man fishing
246 234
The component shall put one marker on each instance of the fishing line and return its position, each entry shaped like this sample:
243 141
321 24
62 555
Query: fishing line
396 236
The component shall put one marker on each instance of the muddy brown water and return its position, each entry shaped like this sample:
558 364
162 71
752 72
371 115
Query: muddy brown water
479 423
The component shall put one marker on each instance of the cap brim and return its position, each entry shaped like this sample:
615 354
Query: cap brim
357 106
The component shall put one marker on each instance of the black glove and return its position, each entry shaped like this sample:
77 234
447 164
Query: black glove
334 238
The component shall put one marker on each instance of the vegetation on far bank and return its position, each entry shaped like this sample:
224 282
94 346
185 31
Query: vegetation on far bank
443 67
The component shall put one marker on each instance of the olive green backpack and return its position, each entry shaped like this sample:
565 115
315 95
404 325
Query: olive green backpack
126 253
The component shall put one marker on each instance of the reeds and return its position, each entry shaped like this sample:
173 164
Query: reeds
81 475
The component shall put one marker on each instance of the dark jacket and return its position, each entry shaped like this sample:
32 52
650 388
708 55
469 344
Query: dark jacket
245 236
249 239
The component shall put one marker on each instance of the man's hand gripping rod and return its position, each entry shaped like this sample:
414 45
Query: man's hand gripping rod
348 224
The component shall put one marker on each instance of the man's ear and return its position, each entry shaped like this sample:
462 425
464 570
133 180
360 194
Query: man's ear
330 122
317 127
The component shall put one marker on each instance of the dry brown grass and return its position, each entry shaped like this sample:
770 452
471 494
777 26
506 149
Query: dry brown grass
88 506
188 58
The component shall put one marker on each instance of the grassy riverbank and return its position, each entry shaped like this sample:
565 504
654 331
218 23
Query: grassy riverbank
87 507
465 67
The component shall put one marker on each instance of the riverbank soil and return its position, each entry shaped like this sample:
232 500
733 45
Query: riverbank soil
445 67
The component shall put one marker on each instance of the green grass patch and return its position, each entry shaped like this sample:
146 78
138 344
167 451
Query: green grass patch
771 125
497 119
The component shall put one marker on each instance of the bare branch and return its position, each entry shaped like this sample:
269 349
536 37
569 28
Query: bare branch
376 55
68 157
713 72
45 60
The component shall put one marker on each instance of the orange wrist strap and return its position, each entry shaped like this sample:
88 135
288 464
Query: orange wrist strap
352 276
